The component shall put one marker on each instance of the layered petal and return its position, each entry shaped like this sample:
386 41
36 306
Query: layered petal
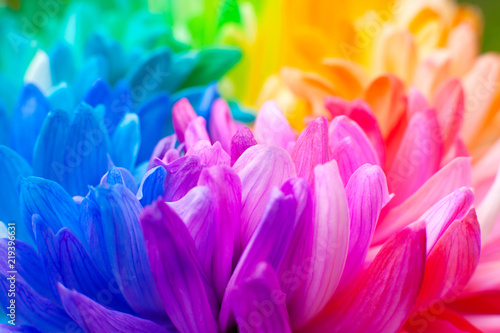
209 155
241 141
182 175
182 114
221 126
271 126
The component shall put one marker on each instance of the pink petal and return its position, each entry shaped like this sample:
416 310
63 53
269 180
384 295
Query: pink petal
182 114
416 102
260 168
451 262
241 141
347 159
382 297
330 245
453 176
177 270
225 186
311 149
433 71
258 304
366 194
208 154
269 243
222 127
418 157
449 103
342 127
196 131
271 126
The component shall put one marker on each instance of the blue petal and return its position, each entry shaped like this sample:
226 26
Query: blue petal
4 125
62 63
99 93
85 154
150 74
99 45
27 120
201 98
124 242
94 68
33 309
152 116
241 114
65 260
152 186
117 175
94 318
125 142
28 266
51 202
62 99
121 104
49 148
12 166
18 329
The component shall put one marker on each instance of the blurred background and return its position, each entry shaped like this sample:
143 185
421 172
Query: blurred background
491 15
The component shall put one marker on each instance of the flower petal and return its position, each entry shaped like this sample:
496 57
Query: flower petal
268 243
152 186
418 156
330 245
221 125
366 188
124 244
196 131
95 318
382 298
311 149
126 141
241 141
161 148
348 161
452 261
182 175
197 210
208 154
182 114
260 168
271 126
225 185
262 295
450 104
454 175
51 202
183 287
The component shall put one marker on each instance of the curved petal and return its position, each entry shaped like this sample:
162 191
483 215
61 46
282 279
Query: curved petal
241 141
272 127
208 154
196 131
182 115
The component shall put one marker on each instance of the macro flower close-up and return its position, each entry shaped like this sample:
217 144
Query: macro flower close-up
249 166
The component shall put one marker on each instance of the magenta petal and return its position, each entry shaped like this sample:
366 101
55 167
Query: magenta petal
258 303
272 127
197 210
260 168
182 114
418 157
454 175
187 297
269 243
311 149
182 175
225 186
221 125
416 102
330 246
196 131
241 141
95 318
382 298
342 127
366 194
451 262
208 154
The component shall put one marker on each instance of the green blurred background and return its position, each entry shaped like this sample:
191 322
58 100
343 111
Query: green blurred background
491 15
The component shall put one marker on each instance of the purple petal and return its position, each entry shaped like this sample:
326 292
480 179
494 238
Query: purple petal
177 270
221 125
182 175
271 126
161 149
347 158
208 154
95 318
258 304
196 131
182 114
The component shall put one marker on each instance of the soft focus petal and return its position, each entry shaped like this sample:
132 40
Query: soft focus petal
182 114
271 126
196 131
241 141
221 125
